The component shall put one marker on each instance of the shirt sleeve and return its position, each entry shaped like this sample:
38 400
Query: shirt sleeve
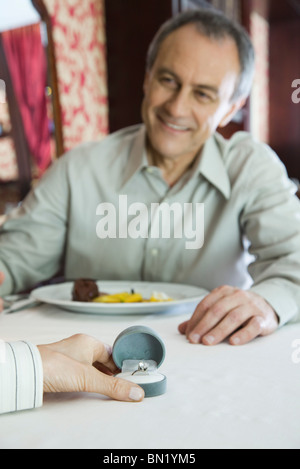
271 220
32 238
21 376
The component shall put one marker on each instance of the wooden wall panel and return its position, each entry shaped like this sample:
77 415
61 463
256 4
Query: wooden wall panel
284 113
130 27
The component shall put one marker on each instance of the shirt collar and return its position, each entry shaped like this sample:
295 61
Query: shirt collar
211 165
137 158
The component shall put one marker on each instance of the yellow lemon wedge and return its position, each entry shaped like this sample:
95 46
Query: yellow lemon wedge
133 298
123 297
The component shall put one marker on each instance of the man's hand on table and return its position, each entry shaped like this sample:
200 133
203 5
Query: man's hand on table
228 312
82 363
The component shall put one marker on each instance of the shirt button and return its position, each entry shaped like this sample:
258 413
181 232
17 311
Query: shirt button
154 252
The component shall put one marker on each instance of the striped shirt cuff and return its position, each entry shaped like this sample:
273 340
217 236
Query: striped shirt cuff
21 376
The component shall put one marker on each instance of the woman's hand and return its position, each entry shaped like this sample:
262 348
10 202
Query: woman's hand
83 363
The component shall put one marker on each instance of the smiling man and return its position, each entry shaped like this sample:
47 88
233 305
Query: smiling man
190 91
188 94
199 72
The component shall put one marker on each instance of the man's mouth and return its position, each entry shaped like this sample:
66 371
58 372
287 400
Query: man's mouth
176 127
172 126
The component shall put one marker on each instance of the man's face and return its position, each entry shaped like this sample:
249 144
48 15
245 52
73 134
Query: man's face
188 92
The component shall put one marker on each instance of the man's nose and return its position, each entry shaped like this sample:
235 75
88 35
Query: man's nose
178 105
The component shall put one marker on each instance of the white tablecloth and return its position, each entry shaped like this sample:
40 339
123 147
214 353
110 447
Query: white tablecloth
217 397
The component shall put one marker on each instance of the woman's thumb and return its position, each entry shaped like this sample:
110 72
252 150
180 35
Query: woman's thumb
115 388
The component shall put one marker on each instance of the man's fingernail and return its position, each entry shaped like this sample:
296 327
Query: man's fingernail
136 394
236 341
194 338
209 339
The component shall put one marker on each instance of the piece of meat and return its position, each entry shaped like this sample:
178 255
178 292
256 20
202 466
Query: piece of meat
85 290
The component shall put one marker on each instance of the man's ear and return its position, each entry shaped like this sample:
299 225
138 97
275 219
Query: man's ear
234 108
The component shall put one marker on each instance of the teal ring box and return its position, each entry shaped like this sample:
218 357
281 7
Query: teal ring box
136 346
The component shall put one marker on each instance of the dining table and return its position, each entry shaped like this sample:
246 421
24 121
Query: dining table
217 397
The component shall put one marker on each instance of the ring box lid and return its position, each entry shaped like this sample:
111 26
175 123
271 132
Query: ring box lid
138 343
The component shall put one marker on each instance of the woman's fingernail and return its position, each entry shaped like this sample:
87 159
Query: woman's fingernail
136 394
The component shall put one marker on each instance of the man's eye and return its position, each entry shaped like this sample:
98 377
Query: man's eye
168 81
201 95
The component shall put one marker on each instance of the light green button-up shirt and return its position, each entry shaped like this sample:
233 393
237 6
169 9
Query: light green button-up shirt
88 213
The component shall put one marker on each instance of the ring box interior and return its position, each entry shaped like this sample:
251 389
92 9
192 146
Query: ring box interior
139 352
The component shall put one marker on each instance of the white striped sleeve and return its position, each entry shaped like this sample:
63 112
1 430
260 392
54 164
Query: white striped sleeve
21 376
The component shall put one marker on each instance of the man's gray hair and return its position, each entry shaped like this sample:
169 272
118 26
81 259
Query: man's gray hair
215 25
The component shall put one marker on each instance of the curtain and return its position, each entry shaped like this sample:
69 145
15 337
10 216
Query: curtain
27 63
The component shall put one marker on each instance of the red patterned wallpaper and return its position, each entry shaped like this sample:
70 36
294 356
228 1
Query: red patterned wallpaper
79 36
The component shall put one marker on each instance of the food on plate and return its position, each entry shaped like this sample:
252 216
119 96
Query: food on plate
126 297
123 297
159 296
86 290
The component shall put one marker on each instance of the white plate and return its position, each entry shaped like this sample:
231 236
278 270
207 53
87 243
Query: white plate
61 295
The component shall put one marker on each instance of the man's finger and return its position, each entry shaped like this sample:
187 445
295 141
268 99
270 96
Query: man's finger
232 321
215 314
187 326
205 305
182 327
252 330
